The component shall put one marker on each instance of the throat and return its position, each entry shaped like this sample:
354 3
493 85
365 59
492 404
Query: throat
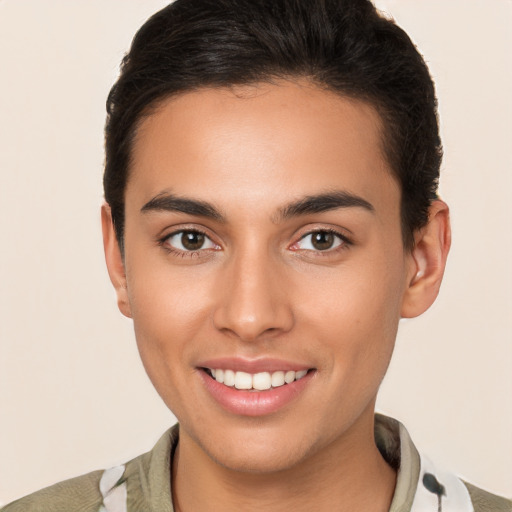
203 484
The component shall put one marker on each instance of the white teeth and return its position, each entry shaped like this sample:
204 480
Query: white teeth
229 378
262 381
277 379
258 381
289 377
243 380
298 375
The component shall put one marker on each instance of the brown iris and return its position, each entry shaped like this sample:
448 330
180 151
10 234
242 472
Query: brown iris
192 240
322 240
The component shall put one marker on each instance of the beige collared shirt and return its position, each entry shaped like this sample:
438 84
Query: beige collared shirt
144 483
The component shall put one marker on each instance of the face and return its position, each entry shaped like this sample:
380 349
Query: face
263 248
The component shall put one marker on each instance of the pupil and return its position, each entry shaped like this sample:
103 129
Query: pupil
323 240
192 241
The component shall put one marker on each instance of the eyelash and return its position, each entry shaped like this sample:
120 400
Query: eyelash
345 242
163 242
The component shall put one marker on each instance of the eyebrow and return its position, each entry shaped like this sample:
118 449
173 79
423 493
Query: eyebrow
304 206
171 203
322 203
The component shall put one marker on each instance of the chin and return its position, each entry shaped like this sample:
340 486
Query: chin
263 462
255 450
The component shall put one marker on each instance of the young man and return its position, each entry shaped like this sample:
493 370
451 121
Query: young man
271 214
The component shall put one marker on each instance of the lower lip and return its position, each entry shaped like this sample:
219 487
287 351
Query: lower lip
254 403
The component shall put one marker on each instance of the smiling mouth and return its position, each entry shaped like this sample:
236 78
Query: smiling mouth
261 381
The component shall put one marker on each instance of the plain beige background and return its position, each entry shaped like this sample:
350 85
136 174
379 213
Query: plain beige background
73 394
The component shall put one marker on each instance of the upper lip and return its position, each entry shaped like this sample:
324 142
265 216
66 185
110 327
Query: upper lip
253 365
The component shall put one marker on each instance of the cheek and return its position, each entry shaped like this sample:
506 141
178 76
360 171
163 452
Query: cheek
165 299
169 310
358 310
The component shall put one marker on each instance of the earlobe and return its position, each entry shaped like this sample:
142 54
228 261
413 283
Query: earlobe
427 261
114 260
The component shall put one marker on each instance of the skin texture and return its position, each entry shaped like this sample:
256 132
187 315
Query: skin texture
258 288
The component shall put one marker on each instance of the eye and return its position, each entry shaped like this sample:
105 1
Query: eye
322 240
190 240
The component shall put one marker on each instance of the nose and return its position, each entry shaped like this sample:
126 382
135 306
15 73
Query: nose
254 303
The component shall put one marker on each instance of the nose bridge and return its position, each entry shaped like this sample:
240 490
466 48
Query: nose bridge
254 300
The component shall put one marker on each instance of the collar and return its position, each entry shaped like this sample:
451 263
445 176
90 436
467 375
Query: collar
145 482
420 485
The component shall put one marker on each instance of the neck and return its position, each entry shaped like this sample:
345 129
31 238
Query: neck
348 474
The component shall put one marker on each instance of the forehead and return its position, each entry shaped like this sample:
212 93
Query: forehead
267 140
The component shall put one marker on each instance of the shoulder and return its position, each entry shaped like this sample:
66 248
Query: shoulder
484 501
142 483
80 494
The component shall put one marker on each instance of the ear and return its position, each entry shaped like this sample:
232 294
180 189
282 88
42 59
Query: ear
114 259
427 261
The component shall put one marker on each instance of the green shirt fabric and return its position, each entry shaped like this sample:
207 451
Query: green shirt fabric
144 483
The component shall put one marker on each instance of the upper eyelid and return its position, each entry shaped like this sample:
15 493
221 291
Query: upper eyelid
306 231
338 232
166 235
163 242
171 231
343 241
330 230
